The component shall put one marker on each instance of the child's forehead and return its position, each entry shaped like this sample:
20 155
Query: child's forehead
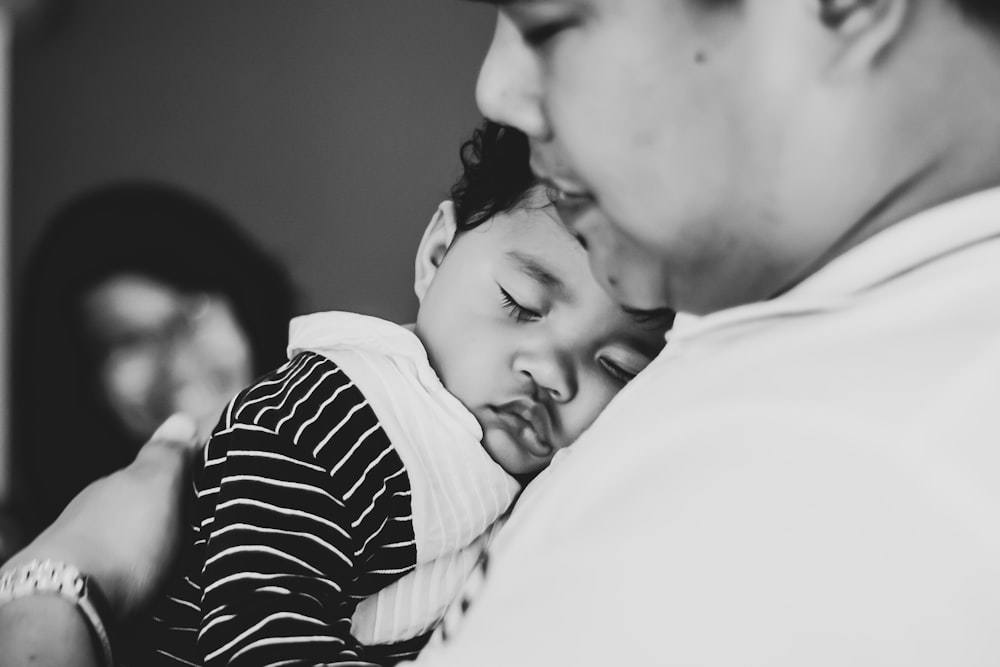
545 251
544 216
539 214
538 230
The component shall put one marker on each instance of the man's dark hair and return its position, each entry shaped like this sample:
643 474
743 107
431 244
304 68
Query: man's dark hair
496 175
984 11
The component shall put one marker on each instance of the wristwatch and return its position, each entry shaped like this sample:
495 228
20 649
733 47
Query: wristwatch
48 577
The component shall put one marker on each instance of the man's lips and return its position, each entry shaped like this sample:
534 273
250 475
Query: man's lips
551 175
570 199
572 207
528 422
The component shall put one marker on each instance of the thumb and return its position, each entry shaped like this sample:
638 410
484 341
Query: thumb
177 436
178 427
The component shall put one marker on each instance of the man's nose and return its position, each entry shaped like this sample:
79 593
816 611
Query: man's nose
509 90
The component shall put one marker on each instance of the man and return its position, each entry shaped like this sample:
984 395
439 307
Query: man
807 474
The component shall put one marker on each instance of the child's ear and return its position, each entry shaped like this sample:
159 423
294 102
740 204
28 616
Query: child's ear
433 246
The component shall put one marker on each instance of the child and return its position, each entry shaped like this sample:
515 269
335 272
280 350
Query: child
341 497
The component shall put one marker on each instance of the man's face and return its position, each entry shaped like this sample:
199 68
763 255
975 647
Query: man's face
671 124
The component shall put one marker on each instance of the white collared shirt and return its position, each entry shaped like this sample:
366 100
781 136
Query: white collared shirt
813 480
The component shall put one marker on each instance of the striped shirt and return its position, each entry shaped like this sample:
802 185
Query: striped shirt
302 509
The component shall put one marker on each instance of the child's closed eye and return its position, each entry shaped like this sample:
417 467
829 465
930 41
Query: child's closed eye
623 367
516 310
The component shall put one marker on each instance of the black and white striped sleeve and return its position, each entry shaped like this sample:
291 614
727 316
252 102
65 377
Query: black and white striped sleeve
301 490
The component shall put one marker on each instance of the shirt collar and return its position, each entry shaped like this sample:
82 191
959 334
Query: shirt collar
909 244
343 330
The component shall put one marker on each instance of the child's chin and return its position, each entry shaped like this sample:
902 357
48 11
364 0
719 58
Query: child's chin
509 454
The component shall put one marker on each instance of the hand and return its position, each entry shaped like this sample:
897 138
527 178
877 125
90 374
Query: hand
124 530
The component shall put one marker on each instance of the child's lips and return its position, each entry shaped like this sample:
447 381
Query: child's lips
529 423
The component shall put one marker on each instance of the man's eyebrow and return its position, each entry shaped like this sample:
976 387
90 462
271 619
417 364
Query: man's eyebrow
655 318
538 271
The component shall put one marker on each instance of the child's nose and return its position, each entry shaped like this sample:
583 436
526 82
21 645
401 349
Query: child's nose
551 373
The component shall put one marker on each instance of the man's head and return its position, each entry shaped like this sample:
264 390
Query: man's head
513 320
732 147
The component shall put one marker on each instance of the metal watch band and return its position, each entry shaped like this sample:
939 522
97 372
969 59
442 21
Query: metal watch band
47 577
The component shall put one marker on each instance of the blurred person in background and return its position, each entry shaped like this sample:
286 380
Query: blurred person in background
141 299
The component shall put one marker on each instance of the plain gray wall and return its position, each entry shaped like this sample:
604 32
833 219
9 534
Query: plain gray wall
329 127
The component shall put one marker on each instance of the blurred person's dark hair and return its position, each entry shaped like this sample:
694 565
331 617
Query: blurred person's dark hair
65 434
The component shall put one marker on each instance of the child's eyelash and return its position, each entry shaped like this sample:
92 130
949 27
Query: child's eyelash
620 373
516 310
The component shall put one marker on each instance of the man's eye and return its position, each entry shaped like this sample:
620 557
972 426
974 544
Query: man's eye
541 33
516 310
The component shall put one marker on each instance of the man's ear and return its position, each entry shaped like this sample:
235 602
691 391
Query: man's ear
437 238
868 29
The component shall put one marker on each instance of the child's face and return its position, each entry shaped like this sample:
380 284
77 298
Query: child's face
523 335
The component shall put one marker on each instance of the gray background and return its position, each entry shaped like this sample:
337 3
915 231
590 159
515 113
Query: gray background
330 128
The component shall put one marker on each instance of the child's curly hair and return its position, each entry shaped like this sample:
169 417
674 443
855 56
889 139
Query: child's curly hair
496 175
